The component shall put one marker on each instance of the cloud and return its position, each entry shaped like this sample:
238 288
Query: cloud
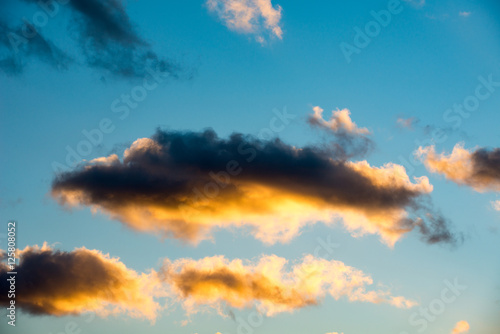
60 283
416 3
479 169
15 49
269 284
461 327
350 140
496 205
107 39
256 17
464 14
53 282
407 123
186 184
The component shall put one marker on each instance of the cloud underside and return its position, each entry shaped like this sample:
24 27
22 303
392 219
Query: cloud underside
256 17
185 184
58 283
478 169
106 37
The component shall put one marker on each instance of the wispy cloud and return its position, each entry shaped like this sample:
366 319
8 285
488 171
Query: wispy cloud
416 3
407 123
350 140
256 17
185 184
106 38
464 14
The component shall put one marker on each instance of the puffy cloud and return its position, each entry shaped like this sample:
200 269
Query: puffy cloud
102 29
340 122
185 184
496 205
350 140
479 169
58 283
249 16
461 327
269 284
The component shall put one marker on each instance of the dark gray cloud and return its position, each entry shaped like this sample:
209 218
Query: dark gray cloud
107 39
20 44
487 164
160 177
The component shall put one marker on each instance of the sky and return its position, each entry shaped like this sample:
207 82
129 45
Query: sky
251 166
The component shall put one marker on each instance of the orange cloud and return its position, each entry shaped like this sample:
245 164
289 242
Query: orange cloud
479 169
52 282
185 185
269 284
461 327
60 283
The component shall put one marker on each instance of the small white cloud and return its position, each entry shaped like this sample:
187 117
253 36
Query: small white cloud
256 17
464 14
496 205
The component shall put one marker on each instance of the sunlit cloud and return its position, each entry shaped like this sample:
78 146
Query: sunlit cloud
270 284
496 205
479 168
349 140
256 17
186 184
339 122
461 327
58 283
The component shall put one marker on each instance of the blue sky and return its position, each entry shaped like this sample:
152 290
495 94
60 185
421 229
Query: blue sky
431 56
